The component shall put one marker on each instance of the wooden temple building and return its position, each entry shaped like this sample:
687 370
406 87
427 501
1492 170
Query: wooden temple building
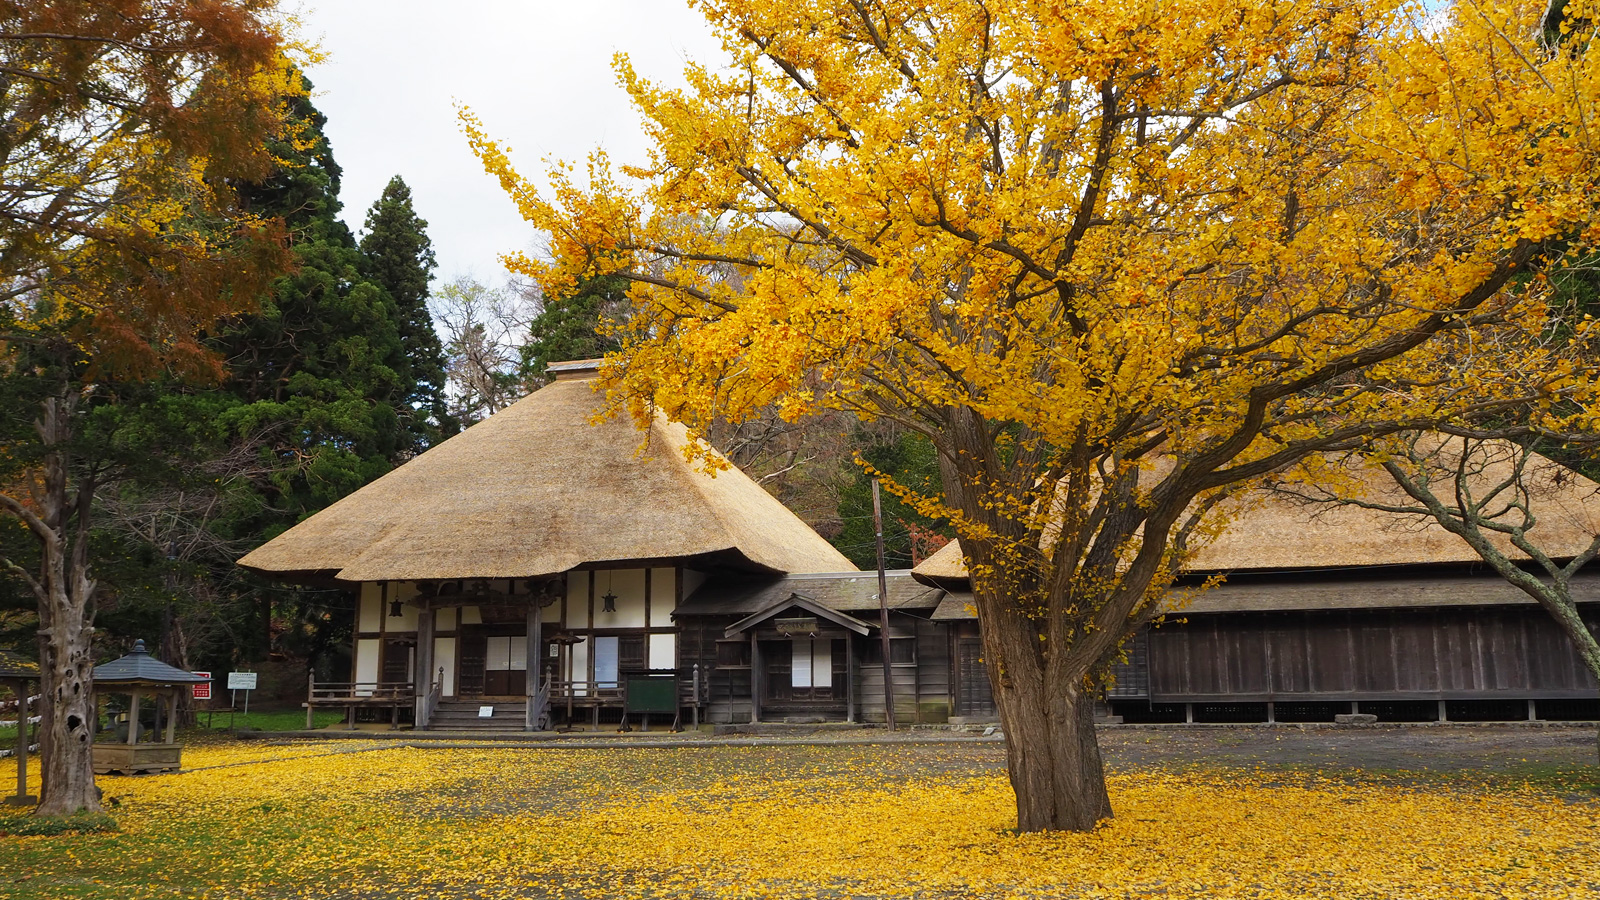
516 573
543 570
1337 609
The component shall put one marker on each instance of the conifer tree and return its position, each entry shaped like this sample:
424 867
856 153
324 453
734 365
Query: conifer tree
397 256
320 369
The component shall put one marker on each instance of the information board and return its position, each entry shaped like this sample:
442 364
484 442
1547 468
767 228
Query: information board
650 692
241 681
202 691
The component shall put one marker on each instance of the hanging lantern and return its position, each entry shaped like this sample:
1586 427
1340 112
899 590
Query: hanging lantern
394 608
608 603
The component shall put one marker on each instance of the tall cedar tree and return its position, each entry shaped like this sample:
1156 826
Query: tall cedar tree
320 367
397 256
573 326
327 378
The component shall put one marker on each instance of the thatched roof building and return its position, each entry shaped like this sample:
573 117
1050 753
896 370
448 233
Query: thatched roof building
538 489
1275 531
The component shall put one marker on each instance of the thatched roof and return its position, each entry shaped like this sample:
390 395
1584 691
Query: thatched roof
538 489
1275 530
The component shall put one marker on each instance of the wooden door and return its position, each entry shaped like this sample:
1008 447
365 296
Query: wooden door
505 668
474 654
396 667
973 697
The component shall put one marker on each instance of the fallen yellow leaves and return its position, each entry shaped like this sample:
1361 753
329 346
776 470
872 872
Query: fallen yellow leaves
790 822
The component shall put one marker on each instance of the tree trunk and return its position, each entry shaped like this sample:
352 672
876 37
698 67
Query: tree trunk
1052 751
67 727
59 522
1559 603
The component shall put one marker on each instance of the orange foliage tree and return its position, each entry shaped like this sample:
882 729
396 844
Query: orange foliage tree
125 122
1113 260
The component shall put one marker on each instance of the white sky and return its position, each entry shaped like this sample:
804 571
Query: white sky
537 72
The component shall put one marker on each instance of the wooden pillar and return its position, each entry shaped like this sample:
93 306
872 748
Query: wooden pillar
172 715
1272 713
849 675
20 688
1444 714
755 679
133 719
422 674
531 679
1533 712
311 693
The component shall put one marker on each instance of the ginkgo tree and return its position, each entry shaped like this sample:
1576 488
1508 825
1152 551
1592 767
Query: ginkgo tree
1113 260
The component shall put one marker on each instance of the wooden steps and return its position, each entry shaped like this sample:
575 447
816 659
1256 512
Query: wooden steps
463 715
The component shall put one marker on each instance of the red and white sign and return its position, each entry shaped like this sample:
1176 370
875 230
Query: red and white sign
202 691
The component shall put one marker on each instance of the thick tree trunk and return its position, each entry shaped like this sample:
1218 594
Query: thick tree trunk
67 727
1052 751
59 522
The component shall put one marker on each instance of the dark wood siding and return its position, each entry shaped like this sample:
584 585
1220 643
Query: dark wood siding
1462 653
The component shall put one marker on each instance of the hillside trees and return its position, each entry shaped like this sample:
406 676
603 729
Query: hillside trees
1112 261
125 124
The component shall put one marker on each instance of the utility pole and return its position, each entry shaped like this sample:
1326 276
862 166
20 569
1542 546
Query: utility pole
883 609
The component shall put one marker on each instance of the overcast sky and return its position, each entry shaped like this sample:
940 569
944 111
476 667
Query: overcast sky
537 72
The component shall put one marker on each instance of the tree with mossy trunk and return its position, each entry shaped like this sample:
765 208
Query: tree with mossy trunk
1113 261
126 124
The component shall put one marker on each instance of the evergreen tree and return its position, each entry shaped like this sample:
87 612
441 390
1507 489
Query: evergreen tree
397 256
319 371
571 327
908 536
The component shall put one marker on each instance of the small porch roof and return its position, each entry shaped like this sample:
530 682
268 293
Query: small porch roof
801 601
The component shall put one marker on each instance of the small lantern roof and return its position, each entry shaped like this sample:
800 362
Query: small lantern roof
141 669
15 665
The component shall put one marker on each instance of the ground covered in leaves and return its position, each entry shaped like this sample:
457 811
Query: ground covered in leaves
1212 815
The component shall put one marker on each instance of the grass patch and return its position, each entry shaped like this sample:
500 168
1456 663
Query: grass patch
265 720
81 822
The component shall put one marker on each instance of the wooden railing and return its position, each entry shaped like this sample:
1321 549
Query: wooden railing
353 694
430 701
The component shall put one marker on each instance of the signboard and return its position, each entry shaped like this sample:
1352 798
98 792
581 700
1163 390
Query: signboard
241 681
650 692
485 712
202 691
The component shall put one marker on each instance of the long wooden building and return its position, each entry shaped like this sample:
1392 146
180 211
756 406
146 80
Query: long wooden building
543 569
1337 609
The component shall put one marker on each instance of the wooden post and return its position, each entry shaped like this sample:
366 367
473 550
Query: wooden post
311 693
531 679
755 679
849 676
20 688
422 677
133 719
1444 714
172 715
883 609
